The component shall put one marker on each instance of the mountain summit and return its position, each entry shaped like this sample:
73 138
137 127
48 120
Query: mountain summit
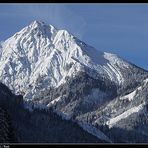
52 68
42 56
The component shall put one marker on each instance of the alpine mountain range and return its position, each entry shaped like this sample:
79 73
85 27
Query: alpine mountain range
56 88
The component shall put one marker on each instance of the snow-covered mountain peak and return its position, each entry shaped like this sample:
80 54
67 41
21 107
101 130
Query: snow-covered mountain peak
36 30
52 68
36 23
37 52
41 56
42 26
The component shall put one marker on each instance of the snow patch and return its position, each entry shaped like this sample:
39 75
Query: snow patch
111 122
54 101
145 81
94 131
130 96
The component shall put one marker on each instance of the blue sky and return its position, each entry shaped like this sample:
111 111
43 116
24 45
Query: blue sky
117 28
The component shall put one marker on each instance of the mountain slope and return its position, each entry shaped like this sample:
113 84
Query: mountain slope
125 115
53 69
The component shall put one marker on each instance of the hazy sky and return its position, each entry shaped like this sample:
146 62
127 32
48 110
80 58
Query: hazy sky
116 28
